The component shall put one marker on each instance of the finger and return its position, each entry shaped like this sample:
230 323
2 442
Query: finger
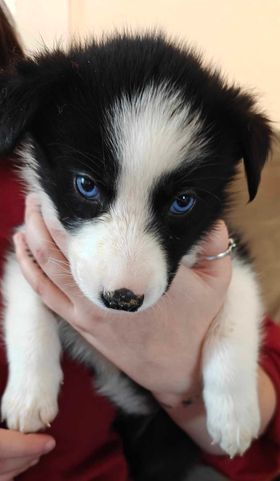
58 234
216 242
48 256
50 294
17 465
14 444
11 475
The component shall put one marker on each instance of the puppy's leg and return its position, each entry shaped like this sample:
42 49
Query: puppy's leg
230 360
33 349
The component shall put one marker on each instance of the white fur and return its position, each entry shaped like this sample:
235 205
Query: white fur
229 363
33 349
109 381
150 135
230 359
28 171
116 253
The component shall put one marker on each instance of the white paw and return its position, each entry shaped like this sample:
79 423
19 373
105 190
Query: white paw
233 422
31 405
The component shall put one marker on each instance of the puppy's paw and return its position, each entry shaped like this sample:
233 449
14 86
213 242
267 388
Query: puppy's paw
31 405
233 422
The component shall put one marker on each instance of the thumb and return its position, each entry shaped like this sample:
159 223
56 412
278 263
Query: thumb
14 444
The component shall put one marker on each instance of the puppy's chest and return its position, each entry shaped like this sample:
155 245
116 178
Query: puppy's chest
109 381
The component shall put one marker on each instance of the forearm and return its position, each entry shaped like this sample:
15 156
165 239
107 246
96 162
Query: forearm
192 417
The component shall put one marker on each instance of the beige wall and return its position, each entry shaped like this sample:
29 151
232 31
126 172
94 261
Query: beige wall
241 36
41 22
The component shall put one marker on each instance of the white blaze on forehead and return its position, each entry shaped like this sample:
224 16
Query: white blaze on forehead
152 133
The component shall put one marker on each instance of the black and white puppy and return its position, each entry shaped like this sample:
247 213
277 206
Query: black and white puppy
131 144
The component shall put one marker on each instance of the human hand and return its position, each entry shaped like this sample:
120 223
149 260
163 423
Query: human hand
19 452
159 348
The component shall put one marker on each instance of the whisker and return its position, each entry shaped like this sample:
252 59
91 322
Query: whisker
59 262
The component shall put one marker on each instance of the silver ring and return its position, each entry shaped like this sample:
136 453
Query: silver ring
221 255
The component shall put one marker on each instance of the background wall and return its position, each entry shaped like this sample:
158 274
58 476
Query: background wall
241 36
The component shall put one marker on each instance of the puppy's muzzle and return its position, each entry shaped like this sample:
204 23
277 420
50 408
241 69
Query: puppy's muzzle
122 300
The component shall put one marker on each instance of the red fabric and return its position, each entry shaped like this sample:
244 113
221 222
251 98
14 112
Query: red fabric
262 461
11 209
87 449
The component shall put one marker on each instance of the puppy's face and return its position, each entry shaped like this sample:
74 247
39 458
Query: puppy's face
132 150
133 197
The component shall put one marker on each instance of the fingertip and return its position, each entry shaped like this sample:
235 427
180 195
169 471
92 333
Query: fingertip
16 238
41 443
49 446
217 239
19 239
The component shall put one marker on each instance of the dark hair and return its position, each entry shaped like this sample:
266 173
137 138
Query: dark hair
10 48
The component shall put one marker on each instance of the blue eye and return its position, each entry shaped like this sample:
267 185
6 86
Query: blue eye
182 204
87 187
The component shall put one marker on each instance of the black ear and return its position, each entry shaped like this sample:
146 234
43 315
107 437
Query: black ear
254 138
24 91
256 148
20 94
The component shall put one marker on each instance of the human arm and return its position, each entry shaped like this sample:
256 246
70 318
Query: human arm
192 417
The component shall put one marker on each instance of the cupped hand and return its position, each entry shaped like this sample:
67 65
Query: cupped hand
159 348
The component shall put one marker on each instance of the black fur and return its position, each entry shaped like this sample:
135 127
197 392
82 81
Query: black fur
60 101
156 448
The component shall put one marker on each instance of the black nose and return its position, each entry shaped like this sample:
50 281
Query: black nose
122 299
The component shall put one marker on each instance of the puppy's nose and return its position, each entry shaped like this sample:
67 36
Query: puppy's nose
122 299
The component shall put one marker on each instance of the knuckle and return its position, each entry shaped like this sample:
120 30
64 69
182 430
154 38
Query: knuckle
42 254
39 285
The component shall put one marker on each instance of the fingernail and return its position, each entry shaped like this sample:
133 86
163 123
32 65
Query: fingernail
49 446
36 461
15 237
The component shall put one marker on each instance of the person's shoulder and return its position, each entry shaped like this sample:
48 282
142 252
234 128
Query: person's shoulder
271 335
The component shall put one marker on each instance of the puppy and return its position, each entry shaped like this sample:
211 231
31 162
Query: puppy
131 144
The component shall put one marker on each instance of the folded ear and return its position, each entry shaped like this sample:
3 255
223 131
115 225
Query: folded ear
23 93
19 101
254 138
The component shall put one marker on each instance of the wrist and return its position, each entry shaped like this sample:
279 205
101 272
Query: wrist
188 411
175 401
189 414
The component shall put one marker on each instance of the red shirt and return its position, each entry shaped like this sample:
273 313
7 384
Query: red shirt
86 447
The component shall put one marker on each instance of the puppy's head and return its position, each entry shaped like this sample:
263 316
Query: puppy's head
131 143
